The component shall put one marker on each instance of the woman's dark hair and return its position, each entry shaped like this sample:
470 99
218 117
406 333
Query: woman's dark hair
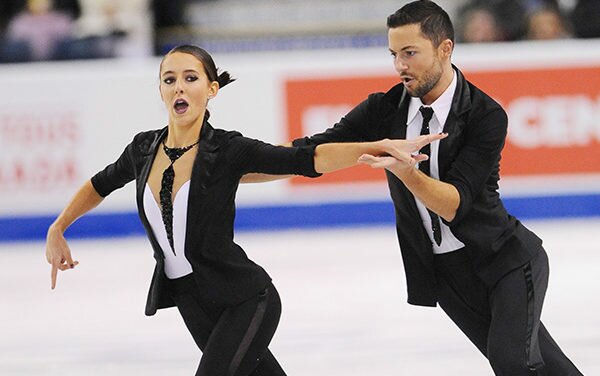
434 21
211 70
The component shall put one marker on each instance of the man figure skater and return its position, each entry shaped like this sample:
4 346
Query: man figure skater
460 247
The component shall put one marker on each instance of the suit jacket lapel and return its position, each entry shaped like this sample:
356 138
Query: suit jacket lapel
141 181
205 158
203 172
455 124
399 128
396 119
396 123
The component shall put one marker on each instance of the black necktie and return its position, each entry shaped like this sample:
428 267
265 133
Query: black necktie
427 113
166 189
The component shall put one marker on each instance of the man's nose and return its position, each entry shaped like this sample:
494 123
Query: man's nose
400 65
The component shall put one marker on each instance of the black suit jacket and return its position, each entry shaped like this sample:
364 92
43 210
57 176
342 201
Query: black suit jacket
220 266
469 160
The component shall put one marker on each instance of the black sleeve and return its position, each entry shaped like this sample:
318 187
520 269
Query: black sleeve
358 125
477 159
117 174
249 155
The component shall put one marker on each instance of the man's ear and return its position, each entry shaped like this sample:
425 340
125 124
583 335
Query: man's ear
446 48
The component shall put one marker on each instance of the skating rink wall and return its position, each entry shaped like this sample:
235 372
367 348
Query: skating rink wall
62 122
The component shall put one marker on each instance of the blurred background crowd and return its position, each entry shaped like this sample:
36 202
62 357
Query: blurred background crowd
41 30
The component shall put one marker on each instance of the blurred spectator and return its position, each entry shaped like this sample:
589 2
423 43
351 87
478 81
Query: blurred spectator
121 28
168 13
545 24
169 19
41 27
478 24
586 19
510 16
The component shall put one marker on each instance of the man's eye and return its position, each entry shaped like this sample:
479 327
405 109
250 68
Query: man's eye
411 53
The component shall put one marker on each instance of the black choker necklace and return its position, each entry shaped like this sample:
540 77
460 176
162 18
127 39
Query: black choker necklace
166 189
175 153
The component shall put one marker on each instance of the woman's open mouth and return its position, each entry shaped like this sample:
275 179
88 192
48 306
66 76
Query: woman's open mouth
180 106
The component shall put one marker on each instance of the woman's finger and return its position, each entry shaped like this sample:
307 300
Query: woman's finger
367 159
420 157
53 274
69 260
402 156
429 138
376 162
63 267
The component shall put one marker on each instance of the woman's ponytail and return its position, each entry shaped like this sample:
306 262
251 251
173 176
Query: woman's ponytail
224 78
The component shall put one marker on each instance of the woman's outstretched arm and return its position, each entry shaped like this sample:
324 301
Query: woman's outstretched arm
331 157
58 253
337 156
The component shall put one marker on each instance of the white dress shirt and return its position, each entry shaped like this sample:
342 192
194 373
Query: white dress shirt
441 109
176 265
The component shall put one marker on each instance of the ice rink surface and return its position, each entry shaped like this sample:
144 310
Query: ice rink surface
344 308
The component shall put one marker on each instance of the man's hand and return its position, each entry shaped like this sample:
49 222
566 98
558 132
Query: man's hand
400 155
440 197
399 148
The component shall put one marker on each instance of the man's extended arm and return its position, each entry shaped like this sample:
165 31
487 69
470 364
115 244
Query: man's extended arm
439 197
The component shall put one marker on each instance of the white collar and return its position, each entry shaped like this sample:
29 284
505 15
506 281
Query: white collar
441 106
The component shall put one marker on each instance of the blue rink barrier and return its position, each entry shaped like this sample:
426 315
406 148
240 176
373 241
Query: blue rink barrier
330 215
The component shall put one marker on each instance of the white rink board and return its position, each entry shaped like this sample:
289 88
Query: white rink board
62 122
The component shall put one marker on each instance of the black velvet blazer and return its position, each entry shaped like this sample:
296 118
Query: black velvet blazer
468 159
220 266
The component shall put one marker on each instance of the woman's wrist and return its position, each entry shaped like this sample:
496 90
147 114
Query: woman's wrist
57 227
380 146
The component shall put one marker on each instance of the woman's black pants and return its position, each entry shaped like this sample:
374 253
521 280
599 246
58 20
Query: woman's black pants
233 339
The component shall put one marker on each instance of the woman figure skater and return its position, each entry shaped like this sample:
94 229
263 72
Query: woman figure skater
187 175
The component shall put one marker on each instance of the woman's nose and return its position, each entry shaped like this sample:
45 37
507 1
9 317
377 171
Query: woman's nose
178 87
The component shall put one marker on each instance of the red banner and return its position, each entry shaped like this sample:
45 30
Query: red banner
554 117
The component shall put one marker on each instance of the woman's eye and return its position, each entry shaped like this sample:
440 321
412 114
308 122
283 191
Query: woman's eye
169 80
191 78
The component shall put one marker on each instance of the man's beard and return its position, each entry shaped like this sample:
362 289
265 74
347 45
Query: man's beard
430 79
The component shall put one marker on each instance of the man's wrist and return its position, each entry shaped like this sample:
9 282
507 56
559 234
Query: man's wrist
403 171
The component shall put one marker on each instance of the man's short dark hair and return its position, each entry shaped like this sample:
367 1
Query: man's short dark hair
434 21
